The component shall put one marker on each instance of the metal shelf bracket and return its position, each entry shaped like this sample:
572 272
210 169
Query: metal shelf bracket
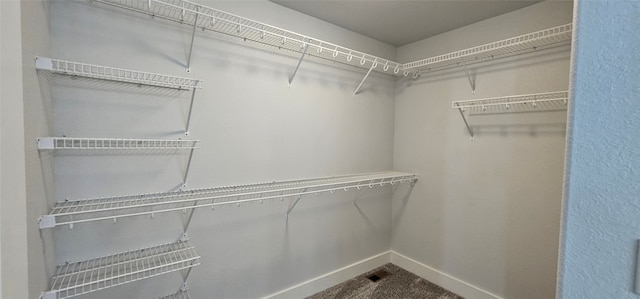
304 52
46 221
49 295
295 202
465 122
373 66
472 80
193 38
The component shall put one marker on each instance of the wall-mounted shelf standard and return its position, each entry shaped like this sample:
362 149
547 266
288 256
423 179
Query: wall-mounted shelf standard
556 36
112 208
550 101
94 71
82 277
68 143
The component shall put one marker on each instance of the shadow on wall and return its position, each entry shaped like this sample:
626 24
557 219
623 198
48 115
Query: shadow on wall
531 130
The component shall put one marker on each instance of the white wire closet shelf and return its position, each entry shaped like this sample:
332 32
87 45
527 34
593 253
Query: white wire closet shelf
112 208
69 143
207 18
182 294
77 278
549 101
115 74
547 38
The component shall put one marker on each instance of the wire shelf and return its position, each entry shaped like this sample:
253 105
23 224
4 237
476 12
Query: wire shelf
519 103
547 38
112 208
182 294
549 101
207 18
211 19
68 143
115 74
77 278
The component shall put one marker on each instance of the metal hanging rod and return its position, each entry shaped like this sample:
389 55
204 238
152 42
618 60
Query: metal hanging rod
77 278
62 143
547 38
115 74
112 208
548 101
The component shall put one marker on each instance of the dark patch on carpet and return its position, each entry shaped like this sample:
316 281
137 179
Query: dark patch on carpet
378 275
397 283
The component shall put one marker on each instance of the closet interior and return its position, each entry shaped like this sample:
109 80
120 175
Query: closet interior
187 150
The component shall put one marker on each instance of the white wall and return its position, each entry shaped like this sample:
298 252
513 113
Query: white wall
600 215
253 127
13 234
486 211
36 40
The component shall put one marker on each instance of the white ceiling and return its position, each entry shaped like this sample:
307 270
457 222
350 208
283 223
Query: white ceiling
400 22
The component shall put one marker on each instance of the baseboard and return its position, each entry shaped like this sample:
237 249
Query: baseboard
332 278
442 279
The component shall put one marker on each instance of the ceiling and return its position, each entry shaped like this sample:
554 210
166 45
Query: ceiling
400 22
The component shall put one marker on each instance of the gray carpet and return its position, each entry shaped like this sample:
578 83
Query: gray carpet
399 283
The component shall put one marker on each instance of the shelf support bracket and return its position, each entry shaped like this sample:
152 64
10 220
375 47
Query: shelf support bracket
472 81
49 295
306 46
188 221
186 173
355 201
193 96
373 66
465 122
295 203
193 38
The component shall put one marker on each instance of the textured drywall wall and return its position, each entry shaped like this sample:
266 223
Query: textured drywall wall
36 40
486 211
601 210
254 127
13 236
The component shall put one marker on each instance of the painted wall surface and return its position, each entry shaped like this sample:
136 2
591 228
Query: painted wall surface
600 213
486 211
36 40
13 234
254 127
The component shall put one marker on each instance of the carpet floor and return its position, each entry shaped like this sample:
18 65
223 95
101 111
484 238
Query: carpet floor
390 282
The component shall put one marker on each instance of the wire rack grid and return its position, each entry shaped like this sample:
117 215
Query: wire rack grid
549 101
69 143
551 37
76 278
207 18
112 208
115 74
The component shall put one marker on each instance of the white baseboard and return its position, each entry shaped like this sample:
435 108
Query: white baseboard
330 279
442 279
